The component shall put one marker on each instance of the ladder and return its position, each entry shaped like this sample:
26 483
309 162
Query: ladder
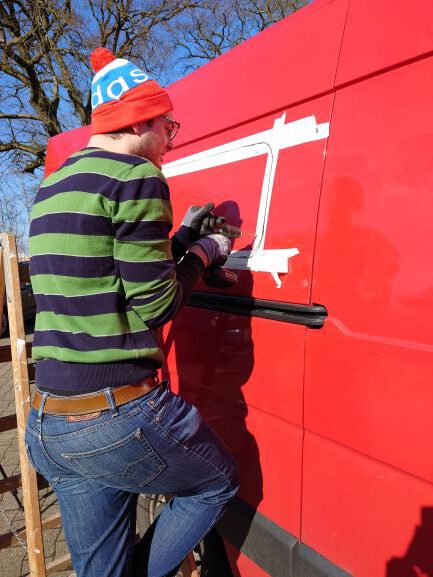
29 480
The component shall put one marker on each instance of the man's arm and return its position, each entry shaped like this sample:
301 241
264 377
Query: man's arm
154 285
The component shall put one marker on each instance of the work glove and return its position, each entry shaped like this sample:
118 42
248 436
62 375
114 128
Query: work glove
192 223
212 249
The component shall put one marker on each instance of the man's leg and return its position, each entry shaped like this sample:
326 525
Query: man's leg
99 526
200 474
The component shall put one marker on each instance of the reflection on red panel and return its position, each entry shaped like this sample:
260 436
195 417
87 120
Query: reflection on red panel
236 358
382 34
368 380
223 364
370 519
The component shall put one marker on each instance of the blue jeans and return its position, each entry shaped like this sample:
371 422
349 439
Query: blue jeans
155 444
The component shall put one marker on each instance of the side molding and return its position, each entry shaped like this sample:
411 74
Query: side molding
270 546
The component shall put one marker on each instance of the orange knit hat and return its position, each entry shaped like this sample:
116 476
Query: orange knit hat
122 94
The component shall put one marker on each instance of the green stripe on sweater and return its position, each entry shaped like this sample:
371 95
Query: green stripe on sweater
107 355
81 202
73 201
138 251
72 286
148 209
71 245
102 325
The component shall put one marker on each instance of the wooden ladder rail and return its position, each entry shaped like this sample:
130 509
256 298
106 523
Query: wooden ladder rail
28 479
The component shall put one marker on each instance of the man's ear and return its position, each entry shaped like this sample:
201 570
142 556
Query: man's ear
139 127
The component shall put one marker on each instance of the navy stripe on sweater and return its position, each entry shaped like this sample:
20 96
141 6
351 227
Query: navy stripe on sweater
110 302
72 223
76 266
84 342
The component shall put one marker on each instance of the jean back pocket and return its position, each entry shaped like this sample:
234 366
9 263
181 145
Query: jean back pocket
128 463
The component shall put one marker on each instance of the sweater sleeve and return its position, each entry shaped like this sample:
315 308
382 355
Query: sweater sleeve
154 285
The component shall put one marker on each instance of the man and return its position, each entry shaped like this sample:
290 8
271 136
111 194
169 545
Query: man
102 429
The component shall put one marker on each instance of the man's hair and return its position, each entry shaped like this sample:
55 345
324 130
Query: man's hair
119 134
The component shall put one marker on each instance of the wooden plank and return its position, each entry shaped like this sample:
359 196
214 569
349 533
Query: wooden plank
8 539
6 355
2 283
60 564
13 482
10 483
22 405
7 423
52 522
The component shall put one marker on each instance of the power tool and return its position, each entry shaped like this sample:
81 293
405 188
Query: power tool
215 275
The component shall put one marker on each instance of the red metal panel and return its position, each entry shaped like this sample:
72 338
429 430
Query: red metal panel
228 366
238 359
60 147
239 185
370 519
382 34
293 60
368 373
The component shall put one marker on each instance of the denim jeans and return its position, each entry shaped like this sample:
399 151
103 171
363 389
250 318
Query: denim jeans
155 444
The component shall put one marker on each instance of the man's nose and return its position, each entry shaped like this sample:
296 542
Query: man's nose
170 145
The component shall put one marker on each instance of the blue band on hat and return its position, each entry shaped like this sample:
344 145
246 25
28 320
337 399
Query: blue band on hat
115 82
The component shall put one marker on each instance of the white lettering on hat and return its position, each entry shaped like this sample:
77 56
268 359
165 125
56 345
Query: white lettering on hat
99 98
123 88
139 76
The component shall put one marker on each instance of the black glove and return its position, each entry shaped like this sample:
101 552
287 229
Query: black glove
192 223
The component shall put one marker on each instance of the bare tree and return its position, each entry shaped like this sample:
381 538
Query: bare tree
17 194
44 50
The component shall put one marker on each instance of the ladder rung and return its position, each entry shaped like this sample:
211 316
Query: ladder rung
7 423
10 483
59 564
50 522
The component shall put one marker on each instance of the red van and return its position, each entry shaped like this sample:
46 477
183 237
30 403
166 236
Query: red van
316 368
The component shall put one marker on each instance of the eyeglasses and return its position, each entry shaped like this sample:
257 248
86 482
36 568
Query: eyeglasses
173 126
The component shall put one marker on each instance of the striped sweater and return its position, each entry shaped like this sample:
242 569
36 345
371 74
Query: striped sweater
102 271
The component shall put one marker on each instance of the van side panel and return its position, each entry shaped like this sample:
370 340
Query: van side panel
225 365
367 494
293 60
271 191
371 519
382 34
60 147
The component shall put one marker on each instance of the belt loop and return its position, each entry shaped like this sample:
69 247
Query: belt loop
41 407
112 403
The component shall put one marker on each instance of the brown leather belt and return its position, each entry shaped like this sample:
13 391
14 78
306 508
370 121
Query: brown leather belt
93 402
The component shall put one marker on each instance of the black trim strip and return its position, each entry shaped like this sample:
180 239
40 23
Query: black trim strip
311 316
270 546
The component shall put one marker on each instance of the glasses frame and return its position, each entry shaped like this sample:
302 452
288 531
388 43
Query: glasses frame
173 126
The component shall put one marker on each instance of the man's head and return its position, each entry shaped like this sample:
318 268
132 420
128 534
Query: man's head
153 138
127 106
